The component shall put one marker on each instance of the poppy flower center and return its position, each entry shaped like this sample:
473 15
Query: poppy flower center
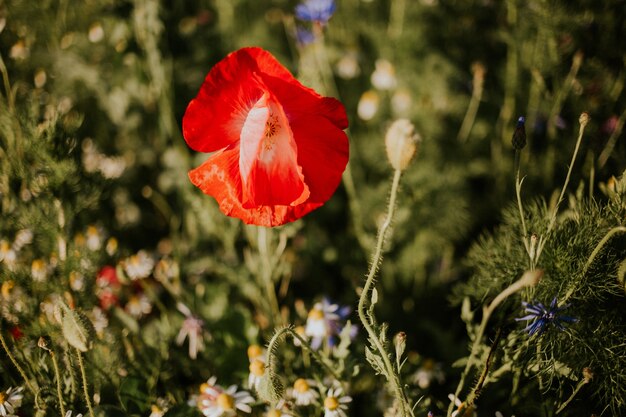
271 130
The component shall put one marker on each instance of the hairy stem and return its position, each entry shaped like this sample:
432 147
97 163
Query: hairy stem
83 375
303 343
57 376
390 372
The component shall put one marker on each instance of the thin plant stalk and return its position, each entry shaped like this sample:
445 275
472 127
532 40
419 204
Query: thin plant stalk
581 383
518 193
543 239
83 375
266 274
610 144
528 279
390 371
472 108
592 257
57 376
289 330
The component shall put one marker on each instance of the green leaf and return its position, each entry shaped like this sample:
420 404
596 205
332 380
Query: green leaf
375 361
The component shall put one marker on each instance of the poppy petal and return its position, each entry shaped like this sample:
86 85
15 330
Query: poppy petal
268 160
323 152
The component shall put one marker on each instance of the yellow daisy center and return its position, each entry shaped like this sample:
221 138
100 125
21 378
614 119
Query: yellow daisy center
301 385
3 397
316 314
225 401
254 351
331 403
257 368
274 413
7 286
204 387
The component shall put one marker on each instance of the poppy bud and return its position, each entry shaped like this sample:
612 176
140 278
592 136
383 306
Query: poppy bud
583 119
401 142
399 342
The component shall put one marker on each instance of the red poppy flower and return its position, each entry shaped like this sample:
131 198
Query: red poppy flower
279 146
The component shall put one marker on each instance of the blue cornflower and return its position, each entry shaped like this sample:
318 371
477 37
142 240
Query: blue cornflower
304 37
319 11
542 317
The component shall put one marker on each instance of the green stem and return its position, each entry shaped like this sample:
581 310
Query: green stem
472 108
610 144
528 279
83 375
57 375
582 382
390 372
592 257
7 85
289 330
544 239
266 275
518 193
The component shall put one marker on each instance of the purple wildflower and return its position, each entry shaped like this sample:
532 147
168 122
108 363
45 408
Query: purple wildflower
319 11
542 317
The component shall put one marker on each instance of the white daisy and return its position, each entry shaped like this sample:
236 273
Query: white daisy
303 392
256 352
139 265
138 306
226 403
93 238
69 414
99 320
7 254
160 408
39 270
10 400
384 76
335 403
280 410
257 371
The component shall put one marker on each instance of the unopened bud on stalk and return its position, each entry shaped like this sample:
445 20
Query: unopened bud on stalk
583 119
399 342
43 343
401 142
587 374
